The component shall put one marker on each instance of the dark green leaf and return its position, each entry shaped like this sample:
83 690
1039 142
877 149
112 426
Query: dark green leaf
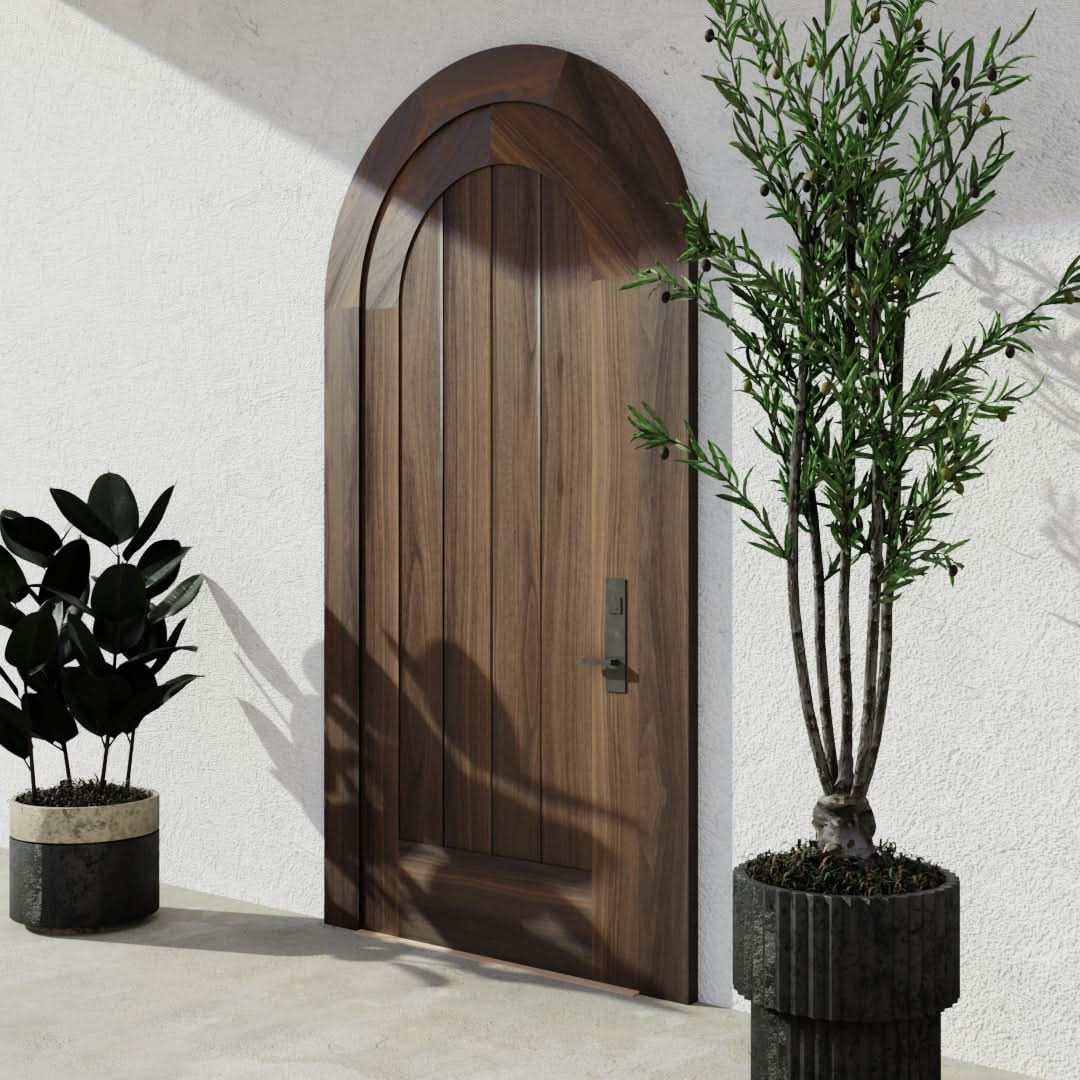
9 614
8 679
50 718
28 537
164 652
86 648
178 599
96 700
174 637
13 585
160 565
119 594
173 687
14 733
113 502
121 636
82 517
33 641
154 637
150 523
74 601
144 695
69 569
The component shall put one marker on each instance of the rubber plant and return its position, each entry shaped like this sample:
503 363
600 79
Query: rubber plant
875 144
88 651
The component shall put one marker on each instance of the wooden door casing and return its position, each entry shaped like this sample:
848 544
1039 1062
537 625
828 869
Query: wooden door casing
552 134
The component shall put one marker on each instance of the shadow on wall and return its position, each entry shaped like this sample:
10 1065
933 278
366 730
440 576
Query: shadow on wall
1054 359
302 67
292 733
1056 348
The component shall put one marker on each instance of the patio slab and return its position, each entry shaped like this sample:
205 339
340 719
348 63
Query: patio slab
221 990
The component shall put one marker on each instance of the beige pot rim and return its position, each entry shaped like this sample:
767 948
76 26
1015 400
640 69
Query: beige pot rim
84 824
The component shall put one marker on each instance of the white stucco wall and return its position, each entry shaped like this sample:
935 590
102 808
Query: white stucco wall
170 176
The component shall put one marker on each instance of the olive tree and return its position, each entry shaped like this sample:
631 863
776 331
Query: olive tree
875 143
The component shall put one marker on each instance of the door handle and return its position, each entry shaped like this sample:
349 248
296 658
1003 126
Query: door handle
614 663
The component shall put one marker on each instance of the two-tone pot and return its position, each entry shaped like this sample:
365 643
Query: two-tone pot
84 868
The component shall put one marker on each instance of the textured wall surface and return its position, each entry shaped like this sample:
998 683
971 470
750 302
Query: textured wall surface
170 175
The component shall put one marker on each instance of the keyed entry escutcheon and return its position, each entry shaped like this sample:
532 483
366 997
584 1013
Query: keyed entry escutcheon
614 659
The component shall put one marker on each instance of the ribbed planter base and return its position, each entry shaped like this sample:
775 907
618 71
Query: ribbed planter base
784 1047
846 987
84 869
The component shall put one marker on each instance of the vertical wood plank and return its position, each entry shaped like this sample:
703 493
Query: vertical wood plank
618 913
341 749
467 530
421 652
666 748
516 513
572 595
380 561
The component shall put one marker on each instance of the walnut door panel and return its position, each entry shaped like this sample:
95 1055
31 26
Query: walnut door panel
506 803
497 594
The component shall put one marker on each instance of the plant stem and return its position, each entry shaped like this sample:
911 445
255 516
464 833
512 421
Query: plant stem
104 762
847 697
820 645
131 750
67 762
873 602
868 761
798 642
33 775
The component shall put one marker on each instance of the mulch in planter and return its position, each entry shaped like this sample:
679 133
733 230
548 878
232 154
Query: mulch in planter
83 793
805 868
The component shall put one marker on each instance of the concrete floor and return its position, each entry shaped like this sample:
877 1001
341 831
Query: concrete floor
213 988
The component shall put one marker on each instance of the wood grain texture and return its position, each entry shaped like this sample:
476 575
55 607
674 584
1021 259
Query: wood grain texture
571 86
516 660
666 769
466 118
421 746
379 671
615 490
521 911
341 745
572 592
467 513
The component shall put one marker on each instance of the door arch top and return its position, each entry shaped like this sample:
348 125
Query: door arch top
610 113
509 106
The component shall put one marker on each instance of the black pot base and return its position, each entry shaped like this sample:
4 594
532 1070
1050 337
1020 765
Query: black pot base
84 888
796 1047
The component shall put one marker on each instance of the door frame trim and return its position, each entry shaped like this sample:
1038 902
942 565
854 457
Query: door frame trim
613 117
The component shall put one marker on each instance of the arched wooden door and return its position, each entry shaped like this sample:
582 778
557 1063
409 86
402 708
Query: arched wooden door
489 525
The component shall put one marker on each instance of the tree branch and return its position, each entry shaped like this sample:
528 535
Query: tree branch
820 645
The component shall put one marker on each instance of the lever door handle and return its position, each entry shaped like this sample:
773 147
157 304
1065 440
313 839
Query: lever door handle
614 663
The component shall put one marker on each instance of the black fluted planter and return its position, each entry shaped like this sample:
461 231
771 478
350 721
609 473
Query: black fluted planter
83 869
846 987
